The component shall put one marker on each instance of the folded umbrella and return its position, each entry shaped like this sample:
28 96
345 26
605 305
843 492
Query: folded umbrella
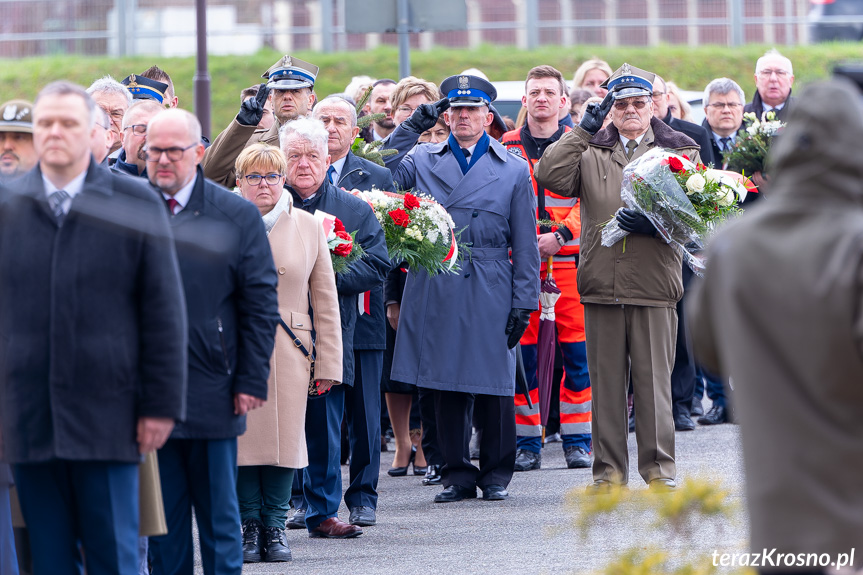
545 344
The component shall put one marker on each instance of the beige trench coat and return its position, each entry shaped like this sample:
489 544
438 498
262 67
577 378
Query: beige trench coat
780 312
275 433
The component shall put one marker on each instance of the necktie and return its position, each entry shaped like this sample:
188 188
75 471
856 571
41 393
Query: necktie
56 200
466 153
172 205
331 175
630 148
726 144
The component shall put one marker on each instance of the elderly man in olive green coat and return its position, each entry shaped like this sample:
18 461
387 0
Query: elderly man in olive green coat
629 295
779 312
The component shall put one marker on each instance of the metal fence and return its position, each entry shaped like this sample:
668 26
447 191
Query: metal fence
167 27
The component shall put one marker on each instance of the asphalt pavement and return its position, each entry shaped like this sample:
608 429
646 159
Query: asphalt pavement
533 532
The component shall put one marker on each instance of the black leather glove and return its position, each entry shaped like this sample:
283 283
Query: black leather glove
516 325
252 110
635 223
425 116
595 115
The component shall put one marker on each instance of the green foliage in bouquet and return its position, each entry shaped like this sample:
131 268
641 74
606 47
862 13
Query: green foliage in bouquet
344 251
749 153
373 151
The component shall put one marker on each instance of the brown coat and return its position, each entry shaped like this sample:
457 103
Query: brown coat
275 433
220 157
779 311
649 271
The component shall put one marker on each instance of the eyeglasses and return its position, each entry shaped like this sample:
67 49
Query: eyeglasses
638 105
657 95
137 129
271 179
174 154
768 73
405 109
722 105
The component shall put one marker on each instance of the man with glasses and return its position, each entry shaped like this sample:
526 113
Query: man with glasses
629 295
292 83
723 115
115 99
131 158
230 284
102 138
774 77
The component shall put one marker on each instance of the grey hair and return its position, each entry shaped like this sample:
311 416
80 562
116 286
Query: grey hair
64 88
193 126
340 100
144 105
773 53
722 86
311 129
109 85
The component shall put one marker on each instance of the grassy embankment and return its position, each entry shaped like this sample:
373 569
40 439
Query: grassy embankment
691 68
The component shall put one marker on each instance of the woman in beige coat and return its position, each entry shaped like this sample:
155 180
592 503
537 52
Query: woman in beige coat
274 444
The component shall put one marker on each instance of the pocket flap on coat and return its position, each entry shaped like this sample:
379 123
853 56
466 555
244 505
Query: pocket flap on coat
301 321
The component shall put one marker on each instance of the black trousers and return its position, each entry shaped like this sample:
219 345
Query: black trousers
431 450
683 373
495 415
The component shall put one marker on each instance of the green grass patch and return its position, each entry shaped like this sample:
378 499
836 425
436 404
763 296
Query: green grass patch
691 68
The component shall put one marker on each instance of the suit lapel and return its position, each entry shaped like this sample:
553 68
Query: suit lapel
447 170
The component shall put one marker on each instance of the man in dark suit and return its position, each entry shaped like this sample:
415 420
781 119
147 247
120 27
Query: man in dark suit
304 142
230 285
363 400
93 372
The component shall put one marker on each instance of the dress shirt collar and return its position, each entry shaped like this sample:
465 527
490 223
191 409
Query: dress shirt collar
183 195
73 188
338 166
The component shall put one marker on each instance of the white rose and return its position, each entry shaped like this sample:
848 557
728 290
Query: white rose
752 129
695 184
724 196
711 176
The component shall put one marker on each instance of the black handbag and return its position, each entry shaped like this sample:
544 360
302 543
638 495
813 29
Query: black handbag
313 389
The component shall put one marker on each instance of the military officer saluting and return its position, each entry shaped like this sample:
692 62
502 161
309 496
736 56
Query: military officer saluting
292 82
457 332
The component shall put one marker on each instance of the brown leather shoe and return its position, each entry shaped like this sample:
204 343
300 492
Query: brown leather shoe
334 528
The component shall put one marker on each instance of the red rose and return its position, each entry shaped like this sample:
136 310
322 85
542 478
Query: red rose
344 250
411 202
338 226
400 217
675 164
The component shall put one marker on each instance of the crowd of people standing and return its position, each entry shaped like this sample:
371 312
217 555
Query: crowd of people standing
171 298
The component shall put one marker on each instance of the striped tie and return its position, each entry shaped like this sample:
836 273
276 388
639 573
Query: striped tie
56 201
726 144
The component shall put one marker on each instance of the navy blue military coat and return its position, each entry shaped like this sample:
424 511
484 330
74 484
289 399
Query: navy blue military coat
367 273
451 327
230 284
92 320
361 174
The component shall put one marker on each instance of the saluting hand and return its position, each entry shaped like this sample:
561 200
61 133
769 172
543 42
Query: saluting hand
425 116
595 115
252 109
244 403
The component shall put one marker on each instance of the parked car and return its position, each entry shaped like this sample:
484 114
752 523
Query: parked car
835 20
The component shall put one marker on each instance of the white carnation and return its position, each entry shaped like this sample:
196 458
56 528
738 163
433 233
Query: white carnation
724 196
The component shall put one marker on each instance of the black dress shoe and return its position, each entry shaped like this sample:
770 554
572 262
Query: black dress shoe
717 414
253 540
297 520
697 408
576 457
494 493
432 475
455 493
277 546
402 471
683 423
363 516
527 460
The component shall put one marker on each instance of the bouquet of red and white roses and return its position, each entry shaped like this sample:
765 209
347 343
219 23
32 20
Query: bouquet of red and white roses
344 250
684 201
418 230
752 145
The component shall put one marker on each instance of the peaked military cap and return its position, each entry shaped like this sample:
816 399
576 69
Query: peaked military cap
629 82
16 116
145 89
291 73
467 90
